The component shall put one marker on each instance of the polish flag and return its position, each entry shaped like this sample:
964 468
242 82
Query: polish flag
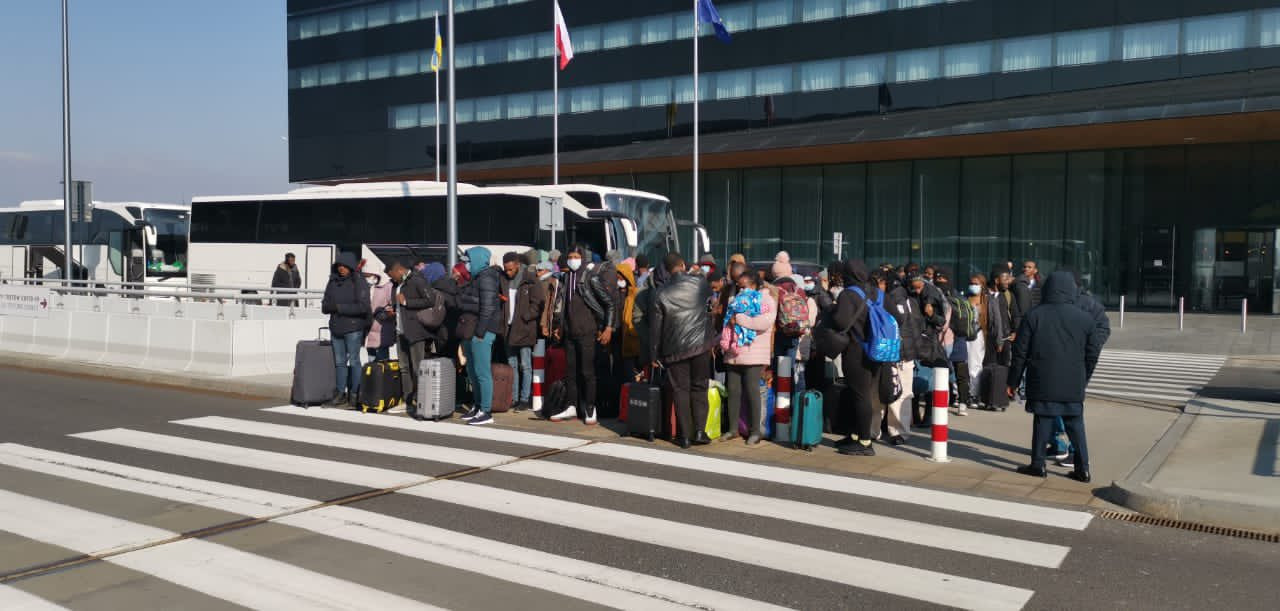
563 44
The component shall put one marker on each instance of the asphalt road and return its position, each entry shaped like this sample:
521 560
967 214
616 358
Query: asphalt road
118 496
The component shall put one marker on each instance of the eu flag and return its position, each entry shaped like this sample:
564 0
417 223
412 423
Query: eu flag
707 13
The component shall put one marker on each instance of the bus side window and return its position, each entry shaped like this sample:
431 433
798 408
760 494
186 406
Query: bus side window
115 252
590 234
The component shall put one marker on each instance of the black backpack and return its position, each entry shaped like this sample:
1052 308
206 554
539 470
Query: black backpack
557 398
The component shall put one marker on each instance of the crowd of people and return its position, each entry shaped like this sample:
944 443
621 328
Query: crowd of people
1007 334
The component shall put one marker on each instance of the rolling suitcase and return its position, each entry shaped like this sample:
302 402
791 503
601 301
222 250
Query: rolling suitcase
437 389
831 407
504 378
380 387
807 421
315 381
993 380
644 410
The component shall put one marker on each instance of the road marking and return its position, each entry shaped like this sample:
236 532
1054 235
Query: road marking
486 433
993 546
1006 510
1021 512
589 581
239 577
13 599
909 582
256 459
849 570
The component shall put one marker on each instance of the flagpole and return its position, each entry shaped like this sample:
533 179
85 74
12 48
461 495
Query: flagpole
555 99
437 71
453 150
695 110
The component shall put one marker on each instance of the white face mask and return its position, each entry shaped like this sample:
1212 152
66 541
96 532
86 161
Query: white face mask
809 287
575 264
706 269
622 284
975 289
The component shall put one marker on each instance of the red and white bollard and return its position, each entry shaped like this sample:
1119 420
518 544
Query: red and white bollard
941 401
782 401
539 372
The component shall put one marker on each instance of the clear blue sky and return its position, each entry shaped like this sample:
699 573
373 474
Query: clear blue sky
170 98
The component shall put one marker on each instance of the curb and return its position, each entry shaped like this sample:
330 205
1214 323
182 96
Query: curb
245 389
1157 503
1136 493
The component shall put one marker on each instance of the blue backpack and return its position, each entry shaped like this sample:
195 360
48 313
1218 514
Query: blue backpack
884 344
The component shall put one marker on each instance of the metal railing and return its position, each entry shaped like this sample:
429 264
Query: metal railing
242 296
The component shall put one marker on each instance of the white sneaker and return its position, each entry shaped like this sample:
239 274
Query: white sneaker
569 413
961 410
591 415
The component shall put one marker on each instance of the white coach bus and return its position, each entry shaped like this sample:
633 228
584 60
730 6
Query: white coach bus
124 242
240 240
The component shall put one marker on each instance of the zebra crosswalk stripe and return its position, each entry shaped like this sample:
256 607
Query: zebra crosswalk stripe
13 599
1007 510
954 539
597 583
239 577
910 582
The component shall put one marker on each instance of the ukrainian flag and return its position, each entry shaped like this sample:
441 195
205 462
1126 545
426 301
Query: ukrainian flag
438 51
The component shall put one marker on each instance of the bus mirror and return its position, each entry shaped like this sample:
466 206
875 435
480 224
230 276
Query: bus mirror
632 233
149 234
703 238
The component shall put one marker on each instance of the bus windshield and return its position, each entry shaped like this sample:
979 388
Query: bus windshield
167 256
652 217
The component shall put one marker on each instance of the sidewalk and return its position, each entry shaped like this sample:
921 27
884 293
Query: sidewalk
1201 334
1218 463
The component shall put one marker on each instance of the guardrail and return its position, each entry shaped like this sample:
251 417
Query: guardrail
164 288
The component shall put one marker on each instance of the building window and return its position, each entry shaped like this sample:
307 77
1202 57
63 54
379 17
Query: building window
865 7
427 115
354 71
488 109
466 110
520 105
820 76
655 30
404 117
330 74
353 19
1269 24
546 103
294 29
462 6
773 81
330 24
617 35
547 44
1025 54
684 88
736 17
864 71
1085 47
585 39
406 64
733 84
379 14
522 48
308 27
1149 40
584 99
616 97
656 92
379 67
684 25
406 10
821 10
464 56
918 65
1213 34
773 13
429 8
966 60
903 4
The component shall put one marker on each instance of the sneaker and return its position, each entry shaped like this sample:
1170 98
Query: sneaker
845 442
591 415
858 449
471 415
961 410
1068 462
1061 456
897 440
482 419
569 413
753 439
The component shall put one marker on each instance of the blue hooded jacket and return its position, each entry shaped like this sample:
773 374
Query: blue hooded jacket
481 297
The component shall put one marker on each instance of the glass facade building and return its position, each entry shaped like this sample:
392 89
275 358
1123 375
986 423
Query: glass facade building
1135 141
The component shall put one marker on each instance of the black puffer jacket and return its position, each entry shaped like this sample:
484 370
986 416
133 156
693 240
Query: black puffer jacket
906 311
346 300
1094 308
418 296
678 324
480 297
1057 347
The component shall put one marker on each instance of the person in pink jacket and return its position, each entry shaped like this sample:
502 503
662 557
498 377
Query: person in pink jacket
746 362
382 335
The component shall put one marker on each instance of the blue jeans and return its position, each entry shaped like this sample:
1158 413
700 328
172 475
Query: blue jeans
521 361
1063 446
479 353
346 358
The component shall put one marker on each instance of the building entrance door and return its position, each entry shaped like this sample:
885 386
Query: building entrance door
1156 273
1246 269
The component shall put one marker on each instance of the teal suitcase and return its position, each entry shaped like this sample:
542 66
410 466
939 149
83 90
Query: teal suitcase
806 421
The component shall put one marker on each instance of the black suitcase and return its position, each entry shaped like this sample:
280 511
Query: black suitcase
994 380
644 410
381 387
315 381
831 402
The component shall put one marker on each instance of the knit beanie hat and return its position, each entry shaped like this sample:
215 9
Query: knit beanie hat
782 265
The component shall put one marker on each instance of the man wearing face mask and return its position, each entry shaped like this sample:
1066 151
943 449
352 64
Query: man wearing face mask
585 317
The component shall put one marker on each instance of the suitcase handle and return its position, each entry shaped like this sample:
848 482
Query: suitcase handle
321 332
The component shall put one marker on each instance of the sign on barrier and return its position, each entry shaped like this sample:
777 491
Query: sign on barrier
25 301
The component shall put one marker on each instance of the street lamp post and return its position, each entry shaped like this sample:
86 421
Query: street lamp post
66 147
